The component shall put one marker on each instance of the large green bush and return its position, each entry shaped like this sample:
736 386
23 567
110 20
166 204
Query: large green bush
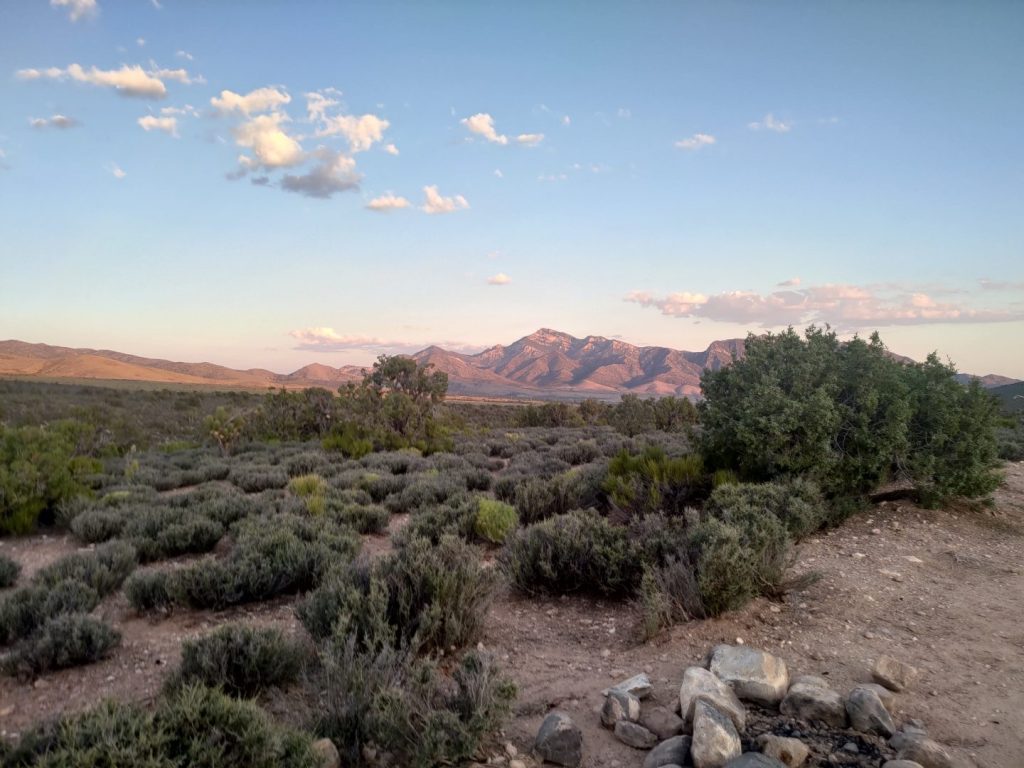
651 481
798 504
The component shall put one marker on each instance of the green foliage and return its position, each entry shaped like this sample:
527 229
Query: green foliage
149 591
9 570
240 660
426 597
847 416
575 552
224 428
40 467
548 415
633 415
495 520
66 640
348 440
653 482
195 726
670 593
362 518
312 489
27 608
798 504
103 569
390 698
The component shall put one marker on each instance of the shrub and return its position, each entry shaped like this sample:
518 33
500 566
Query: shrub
670 593
241 660
103 569
576 552
453 518
306 486
363 518
425 490
149 591
67 640
9 570
160 532
652 482
387 697
797 504
98 524
29 607
579 452
495 520
427 597
253 479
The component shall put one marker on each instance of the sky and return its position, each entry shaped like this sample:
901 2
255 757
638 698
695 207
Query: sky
272 184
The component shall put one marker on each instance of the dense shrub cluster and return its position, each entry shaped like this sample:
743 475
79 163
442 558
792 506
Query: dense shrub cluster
66 640
102 570
495 520
651 481
9 570
26 609
240 660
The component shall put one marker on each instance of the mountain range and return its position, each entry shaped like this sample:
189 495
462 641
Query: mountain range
545 364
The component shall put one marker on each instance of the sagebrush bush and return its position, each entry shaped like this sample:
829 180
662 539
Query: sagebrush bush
456 517
798 504
29 607
9 570
670 593
67 640
363 518
575 552
256 478
654 482
103 569
149 591
425 596
98 524
241 660
390 698
495 520
423 491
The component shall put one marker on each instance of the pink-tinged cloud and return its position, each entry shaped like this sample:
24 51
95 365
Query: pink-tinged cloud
847 307
325 339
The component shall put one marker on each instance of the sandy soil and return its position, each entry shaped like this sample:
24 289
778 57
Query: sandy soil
958 615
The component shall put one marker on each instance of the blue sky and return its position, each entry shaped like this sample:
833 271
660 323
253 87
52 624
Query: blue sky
279 183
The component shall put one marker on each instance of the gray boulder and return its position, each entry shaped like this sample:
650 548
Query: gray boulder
638 685
674 751
814 703
619 705
821 682
893 674
754 675
715 740
927 753
661 721
754 760
867 713
559 741
888 697
791 752
635 735
700 685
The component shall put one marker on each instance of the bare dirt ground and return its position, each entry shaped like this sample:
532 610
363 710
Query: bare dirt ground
940 589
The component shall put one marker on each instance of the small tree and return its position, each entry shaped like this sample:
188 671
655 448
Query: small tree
224 428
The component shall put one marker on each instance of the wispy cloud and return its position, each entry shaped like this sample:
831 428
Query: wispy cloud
61 122
696 141
168 125
128 80
791 283
391 149
77 9
499 279
1001 285
117 172
326 339
530 139
437 203
770 123
258 100
388 202
848 307
332 173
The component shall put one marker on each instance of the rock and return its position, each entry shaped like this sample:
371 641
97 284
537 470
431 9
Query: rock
638 685
888 697
814 703
619 705
634 735
715 740
905 735
867 713
893 674
902 764
791 752
926 752
662 722
700 685
754 675
327 753
674 751
754 760
819 682
559 741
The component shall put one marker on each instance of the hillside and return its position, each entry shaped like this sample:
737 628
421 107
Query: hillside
1011 396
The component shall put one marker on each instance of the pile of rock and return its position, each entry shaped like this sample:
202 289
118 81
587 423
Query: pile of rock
790 723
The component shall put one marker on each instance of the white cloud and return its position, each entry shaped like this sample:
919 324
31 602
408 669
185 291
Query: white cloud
624 113
188 110
499 279
179 75
696 141
566 120
271 145
791 283
184 55
168 125
127 81
1001 285
77 9
117 171
388 202
391 149
61 122
436 203
848 307
482 124
317 105
140 41
326 339
259 100
333 172
498 173
156 4
362 132
530 139
770 123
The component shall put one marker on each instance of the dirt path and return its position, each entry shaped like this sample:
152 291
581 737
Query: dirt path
958 615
